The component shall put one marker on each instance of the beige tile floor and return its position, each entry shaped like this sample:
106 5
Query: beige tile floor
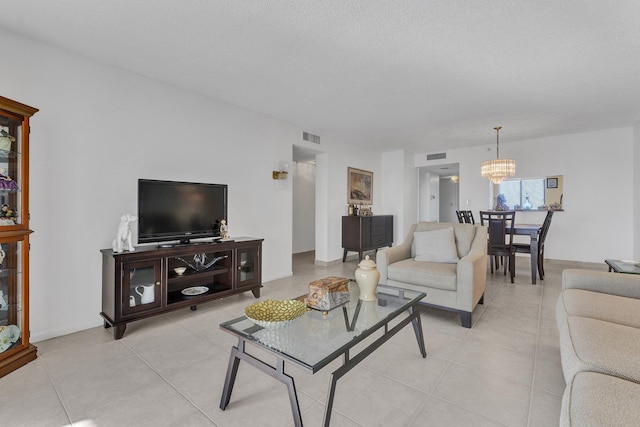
169 370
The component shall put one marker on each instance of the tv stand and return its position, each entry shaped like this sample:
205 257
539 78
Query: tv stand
143 283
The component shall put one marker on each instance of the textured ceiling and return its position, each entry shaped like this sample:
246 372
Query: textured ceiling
416 74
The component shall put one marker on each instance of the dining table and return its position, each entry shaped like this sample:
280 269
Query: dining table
533 231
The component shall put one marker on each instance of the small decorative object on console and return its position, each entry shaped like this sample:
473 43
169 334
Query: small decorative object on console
123 241
272 314
367 277
224 232
200 262
328 293
501 203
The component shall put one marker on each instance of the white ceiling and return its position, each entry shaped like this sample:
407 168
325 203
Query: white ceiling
416 74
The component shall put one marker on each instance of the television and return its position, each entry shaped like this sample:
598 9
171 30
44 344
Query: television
173 210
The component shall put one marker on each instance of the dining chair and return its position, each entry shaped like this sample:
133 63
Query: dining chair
500 242
525 248
467 216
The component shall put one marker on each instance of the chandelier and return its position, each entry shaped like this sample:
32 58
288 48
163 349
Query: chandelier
499 169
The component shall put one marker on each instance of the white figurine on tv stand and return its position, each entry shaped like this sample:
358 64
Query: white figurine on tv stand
224 231
123 239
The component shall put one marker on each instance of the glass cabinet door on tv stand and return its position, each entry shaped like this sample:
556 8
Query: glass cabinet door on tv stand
15 349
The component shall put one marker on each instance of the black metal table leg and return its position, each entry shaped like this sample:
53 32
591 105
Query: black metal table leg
237 354
417 329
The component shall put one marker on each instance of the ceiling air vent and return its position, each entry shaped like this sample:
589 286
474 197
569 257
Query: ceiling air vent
311 137
437 156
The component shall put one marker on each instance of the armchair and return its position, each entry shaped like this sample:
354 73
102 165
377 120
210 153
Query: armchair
447 261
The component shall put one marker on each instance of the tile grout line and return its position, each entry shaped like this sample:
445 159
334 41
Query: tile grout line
535 357
55 389
170 384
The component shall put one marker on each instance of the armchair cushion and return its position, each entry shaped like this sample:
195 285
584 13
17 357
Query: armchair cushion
437 275
436 246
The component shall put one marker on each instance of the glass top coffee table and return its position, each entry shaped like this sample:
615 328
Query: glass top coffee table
623 266
315 339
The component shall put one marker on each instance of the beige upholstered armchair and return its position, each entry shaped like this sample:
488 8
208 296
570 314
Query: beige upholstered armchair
447 261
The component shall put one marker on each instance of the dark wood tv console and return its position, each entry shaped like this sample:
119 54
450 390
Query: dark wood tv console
144 283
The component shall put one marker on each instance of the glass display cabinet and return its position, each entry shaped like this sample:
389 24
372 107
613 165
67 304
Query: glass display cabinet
15 349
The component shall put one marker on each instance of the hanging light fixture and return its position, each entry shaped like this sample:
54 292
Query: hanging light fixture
499 169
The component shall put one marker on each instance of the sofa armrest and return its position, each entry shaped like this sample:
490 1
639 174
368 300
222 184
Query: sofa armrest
624 285
388 256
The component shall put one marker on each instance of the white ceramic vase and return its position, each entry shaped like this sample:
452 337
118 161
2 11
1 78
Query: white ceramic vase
367 277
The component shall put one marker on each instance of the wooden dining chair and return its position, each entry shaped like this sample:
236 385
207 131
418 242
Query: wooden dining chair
525 248
465 217
500 242
468 217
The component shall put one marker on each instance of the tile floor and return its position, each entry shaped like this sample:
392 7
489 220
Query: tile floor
169 370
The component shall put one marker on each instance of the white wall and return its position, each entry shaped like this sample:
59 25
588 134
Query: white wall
429 196
448 200
598 172
636 191
100 128
400 191
331 192
304 207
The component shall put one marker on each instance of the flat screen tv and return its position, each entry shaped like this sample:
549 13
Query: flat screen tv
172 210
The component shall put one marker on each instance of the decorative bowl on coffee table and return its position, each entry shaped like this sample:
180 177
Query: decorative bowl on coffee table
272 314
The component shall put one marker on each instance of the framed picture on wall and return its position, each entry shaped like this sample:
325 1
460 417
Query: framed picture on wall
552 182
360 187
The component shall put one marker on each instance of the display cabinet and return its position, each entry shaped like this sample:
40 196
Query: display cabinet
15 348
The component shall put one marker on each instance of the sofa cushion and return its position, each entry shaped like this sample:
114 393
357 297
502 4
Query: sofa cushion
593 399
436 246
438 275
598 346
596 305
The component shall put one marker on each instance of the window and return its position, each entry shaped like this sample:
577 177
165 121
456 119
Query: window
516 192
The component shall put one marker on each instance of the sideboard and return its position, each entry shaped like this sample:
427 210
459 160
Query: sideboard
366 233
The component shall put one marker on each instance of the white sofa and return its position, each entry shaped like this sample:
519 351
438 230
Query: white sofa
448 261
598 316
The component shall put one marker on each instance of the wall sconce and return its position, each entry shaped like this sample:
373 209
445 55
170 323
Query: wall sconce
281 172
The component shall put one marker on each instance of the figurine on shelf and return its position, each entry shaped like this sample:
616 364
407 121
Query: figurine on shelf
123 240
6 140
3 303
8 215
6 183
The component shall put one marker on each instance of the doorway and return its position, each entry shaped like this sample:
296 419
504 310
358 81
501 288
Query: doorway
439 193
304 200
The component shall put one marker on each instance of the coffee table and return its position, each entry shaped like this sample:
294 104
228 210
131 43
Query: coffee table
313 340
623 266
